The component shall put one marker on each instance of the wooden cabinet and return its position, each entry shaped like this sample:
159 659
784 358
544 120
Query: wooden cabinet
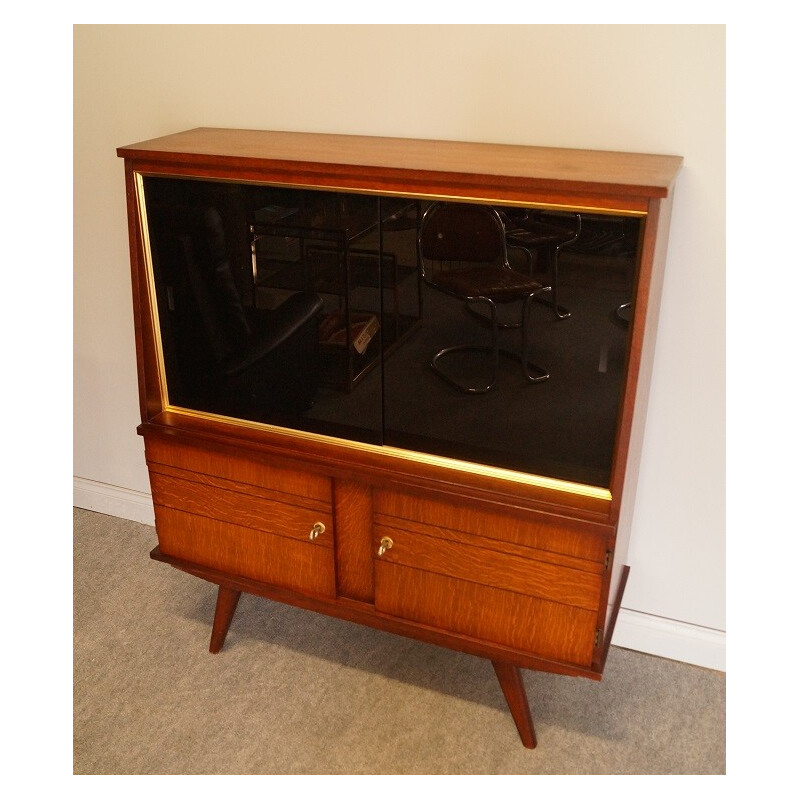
494 525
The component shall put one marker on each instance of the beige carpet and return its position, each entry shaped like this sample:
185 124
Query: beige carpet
294 692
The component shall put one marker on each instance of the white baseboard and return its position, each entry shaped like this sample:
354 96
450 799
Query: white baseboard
668 638
113 500
679 641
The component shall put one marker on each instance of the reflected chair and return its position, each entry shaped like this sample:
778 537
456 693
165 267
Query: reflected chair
462 253
533 233
226 355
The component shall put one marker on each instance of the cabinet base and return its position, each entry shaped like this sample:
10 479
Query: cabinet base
508 675
506 661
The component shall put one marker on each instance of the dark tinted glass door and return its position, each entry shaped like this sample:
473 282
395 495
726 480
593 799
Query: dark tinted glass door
321 311
269 303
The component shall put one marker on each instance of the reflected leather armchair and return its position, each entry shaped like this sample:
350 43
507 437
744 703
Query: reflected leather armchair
237 359
532 232
462 253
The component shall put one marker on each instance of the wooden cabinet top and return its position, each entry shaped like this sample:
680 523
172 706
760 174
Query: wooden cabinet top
413 161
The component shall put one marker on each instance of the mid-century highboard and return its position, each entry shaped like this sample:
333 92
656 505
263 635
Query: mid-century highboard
301 448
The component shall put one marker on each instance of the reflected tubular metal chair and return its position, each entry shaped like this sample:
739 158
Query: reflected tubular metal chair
530 232
462 252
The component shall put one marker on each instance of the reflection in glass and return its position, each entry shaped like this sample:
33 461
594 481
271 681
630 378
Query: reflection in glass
306 309
563 427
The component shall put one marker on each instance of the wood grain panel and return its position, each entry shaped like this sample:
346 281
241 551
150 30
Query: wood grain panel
490 568
243 468
246 552
499 545
241 508
545 629
352 503
544 531
235 486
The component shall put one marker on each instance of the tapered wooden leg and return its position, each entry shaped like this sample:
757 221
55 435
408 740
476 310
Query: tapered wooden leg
514 690
227 599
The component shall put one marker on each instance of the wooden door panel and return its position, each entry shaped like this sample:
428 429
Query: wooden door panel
540 627
241 508
244 468
492 568
247 552
549 532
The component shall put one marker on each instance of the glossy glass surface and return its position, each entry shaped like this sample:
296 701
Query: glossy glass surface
256 285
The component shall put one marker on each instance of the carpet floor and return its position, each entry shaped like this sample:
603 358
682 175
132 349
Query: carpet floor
298 693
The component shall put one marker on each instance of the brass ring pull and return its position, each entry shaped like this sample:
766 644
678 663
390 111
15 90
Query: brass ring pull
316 529
386 544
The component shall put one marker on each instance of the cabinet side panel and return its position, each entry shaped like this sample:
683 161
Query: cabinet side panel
352 508
659 214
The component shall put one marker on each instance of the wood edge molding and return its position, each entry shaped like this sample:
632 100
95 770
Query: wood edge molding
423 161
646 174
600 198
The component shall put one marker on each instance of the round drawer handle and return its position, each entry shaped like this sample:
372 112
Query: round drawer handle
386 544
316 529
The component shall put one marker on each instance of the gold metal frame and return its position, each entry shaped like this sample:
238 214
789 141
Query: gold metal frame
455 198
413 456
144 232
471 467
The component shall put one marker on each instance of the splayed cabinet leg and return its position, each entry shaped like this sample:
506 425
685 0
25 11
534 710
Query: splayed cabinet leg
513 688
227 600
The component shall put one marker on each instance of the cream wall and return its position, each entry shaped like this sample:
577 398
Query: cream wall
658 89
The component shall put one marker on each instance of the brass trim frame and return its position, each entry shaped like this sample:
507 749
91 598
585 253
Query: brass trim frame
411 456
155 322
455 198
